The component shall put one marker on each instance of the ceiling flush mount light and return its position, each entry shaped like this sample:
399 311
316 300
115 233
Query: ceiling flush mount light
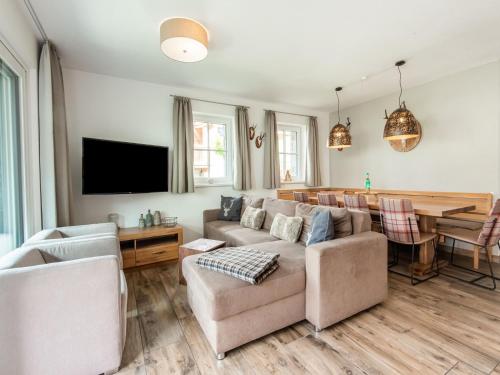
184 39
340 137
401 124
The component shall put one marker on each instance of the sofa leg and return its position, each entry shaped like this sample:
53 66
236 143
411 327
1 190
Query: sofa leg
317 329
220 356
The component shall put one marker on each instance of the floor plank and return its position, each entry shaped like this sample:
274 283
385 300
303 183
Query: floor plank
442 326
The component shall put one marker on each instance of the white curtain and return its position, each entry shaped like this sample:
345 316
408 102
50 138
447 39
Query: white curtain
182 174
54 161
243 176
313 174
271 152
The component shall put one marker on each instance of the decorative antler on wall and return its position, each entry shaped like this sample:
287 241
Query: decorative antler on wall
258 140
251 132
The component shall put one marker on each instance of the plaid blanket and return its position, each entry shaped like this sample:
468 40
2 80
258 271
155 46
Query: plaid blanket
240 262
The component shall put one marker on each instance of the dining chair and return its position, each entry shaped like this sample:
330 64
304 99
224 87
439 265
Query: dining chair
485 238
399 224
301 196
356 202
326 198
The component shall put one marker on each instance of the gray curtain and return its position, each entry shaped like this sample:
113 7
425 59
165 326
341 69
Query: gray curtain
182 173
271 152
313 175
243 175
54 160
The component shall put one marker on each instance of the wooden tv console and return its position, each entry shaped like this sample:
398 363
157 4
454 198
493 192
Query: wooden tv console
149 245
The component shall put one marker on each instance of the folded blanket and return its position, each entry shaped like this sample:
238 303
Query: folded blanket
240 262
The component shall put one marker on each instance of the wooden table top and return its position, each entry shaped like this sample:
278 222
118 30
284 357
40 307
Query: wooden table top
203 244
421 208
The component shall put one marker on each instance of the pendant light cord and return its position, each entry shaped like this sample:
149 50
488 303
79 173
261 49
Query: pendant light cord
400 86
338 105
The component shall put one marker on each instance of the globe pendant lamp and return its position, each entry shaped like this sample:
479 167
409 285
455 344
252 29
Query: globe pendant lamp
401 124
340 137
184 39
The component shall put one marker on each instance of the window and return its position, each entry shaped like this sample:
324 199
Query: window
291 149
11 205
213 154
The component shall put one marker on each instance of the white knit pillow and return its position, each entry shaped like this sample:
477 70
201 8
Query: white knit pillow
253 218
286 228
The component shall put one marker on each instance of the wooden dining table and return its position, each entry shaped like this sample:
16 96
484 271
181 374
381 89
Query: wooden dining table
428 213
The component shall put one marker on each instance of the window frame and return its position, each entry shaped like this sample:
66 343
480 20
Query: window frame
27 150
228 121
301 130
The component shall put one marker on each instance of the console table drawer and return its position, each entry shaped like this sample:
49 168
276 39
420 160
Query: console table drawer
156 254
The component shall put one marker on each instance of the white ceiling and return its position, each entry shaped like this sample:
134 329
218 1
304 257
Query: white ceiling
286 51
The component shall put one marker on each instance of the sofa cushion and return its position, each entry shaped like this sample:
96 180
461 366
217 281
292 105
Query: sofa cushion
247 236
225 296
230 208
273 206
341 220
286 228
253 218
216 230
251 202
322 228
21 257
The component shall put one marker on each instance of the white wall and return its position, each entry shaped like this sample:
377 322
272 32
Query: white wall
126 110
460 147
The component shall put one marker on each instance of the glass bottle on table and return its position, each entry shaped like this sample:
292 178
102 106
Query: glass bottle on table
368 183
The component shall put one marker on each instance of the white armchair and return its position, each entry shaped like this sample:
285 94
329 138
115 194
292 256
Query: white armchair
65 317
82 241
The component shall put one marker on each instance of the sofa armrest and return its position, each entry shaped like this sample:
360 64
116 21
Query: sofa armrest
89 229
345 276
79 247
208 216
61 310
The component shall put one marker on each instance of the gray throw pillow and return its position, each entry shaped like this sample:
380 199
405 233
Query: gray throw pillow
322 228
230 208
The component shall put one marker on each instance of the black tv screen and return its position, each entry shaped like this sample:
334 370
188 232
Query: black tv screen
110 167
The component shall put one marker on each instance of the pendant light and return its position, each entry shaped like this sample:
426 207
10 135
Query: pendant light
401 124
340 137
184 39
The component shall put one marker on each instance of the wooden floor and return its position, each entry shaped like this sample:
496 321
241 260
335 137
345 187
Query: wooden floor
439 327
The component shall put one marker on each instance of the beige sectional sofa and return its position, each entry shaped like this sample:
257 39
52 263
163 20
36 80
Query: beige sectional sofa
323 283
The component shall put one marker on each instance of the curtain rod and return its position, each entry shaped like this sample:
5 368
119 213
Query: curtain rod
210 101
36 20
289 113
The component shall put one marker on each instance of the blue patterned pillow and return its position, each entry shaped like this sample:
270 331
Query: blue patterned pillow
230 208
321 228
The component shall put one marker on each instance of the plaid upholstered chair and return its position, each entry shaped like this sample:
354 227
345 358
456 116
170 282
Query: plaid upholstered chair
301 196
485 238
399 224
326 198
356 202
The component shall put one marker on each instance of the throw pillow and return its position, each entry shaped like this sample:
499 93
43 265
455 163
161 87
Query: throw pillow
230 208
253 218
322 228
250 201
286 228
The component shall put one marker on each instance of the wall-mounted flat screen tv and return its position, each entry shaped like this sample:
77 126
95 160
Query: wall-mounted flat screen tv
111 167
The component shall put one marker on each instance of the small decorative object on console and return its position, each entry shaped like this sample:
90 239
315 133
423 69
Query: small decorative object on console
142 222
114 218
169 221
157 218
149 219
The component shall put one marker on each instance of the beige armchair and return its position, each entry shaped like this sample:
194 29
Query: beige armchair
61 315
